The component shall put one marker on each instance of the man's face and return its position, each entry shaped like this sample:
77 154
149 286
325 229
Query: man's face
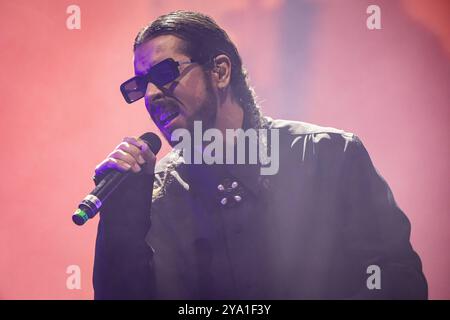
187 99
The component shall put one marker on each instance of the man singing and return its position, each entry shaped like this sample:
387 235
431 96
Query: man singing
323 224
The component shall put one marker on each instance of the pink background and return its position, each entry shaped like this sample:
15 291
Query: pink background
315 61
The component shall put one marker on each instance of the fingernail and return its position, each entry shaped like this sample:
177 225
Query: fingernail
137 168
141 160
127 166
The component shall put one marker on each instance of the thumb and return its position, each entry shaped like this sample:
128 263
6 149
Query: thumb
147 154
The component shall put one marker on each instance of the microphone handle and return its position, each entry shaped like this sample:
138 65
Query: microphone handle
92 203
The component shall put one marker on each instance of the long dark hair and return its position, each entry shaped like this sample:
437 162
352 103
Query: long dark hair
204 40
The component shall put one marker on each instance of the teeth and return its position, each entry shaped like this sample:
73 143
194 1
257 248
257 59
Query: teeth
165 116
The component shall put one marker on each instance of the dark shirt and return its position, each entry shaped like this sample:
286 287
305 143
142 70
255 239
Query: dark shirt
308 232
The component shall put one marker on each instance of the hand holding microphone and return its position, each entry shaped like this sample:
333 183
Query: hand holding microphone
131 155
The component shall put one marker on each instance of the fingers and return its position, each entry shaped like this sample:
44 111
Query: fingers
127 158
111 163
132 147
147 154
131 153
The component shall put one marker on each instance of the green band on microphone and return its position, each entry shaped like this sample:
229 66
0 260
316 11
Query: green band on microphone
80 217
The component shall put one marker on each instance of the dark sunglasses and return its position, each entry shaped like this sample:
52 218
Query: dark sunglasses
160 74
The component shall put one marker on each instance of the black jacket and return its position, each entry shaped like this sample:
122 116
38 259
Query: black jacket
312 231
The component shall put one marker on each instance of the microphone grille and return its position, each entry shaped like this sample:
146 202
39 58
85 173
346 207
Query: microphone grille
152 140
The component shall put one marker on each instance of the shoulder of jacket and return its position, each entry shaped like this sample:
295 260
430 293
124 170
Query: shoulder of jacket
313 136
303 128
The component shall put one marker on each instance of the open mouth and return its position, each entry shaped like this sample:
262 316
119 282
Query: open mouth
164 112
166 117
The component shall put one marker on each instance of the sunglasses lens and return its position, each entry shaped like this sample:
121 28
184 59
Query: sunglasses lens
164 72
161 74
133 89
135 95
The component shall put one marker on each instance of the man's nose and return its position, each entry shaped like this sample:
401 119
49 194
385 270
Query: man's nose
155 92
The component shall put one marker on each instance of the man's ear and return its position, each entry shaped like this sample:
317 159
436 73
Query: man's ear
221 72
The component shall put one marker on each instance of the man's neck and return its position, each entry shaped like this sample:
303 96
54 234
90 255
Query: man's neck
230 115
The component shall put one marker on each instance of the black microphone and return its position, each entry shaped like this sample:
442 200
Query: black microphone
92 203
